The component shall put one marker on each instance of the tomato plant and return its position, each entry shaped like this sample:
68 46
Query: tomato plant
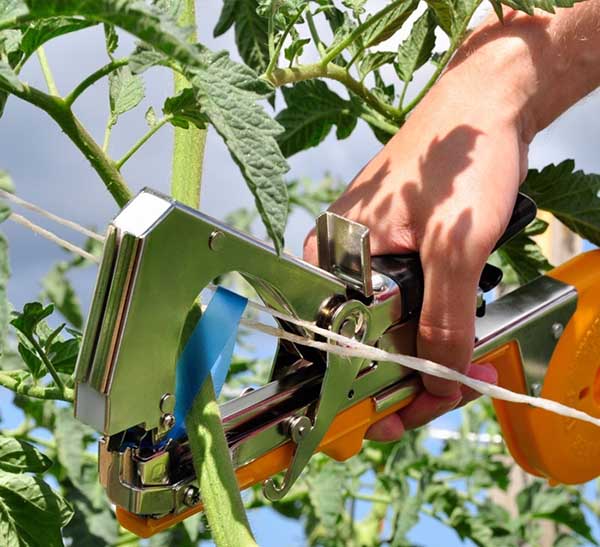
308 67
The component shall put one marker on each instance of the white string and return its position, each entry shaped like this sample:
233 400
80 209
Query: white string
348 347
68 223
20 219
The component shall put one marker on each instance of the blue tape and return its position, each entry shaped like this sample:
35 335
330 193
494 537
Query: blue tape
208 351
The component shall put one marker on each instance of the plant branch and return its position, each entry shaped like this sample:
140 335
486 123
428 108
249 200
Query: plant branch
314 33
143 140
283 76
49 366
59 111
93 78
454 43
47 71
379 123
275 57
334 51
107 133
52 393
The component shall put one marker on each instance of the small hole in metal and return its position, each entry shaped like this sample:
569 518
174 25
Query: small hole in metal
584 392
351 394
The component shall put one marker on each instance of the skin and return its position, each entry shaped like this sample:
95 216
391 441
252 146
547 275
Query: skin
446 183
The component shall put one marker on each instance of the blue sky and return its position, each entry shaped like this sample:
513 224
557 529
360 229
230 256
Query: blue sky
50 172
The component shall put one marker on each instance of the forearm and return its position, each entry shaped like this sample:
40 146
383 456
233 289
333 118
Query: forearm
537 66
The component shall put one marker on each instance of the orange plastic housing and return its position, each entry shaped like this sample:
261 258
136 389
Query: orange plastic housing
561 449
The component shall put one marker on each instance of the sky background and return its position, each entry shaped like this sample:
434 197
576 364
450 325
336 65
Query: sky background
50 172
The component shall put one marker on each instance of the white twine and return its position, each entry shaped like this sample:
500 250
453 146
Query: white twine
348 347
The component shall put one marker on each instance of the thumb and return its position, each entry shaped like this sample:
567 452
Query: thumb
310 248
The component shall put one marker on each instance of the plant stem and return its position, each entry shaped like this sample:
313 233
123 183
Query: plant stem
145 138
15 384
283 76
454 43
379 123
47 71
59 111
107 133
353 36
212 461
49 366
93 78
275 57
314 33
188 144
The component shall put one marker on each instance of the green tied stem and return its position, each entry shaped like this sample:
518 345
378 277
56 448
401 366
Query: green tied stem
218 484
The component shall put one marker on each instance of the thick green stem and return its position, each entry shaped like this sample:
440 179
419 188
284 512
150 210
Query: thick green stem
47 71
53 393
212 461
59 111
93 78
283 76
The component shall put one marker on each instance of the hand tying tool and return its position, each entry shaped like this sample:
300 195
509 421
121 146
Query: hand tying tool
543 338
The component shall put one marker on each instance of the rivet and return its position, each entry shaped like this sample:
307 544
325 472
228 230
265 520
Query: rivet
167 403
191 496
216 240
167 420
557 330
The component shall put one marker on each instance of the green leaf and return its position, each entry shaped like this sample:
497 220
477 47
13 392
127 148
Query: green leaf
8 77
40 32
145 57
31 513
72 438
185 110
126 91
111 38
58 289
312 110
391 22
31 360
415 51
227 93
521 258
407 509
295 49
326 493
571 196
251 31
63 355
444 14
6 182
19 456
150 117
10 9
32 315
375 60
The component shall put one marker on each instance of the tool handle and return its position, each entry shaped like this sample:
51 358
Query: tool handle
406 270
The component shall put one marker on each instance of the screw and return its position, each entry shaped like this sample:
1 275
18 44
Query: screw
557 330
536 389
216 240
167 403
168 420
378 282
299 427
191 496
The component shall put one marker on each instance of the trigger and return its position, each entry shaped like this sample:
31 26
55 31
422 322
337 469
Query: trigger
490 278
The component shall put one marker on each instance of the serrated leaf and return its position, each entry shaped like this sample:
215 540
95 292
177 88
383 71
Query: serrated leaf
571 196
10 41
40 32
58 289
185 110
375 60
19 456
523 257
150 117
111 38
31 513
251 31
72 438
31 360
415 51
228 94
444 14
10 9
145 57
126 91
326 494
32 315
63 355
8 77
312 110
391 22
296 48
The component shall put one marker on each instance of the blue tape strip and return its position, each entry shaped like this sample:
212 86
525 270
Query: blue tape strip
208 350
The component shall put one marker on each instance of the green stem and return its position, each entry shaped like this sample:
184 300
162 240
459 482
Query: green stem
107 133
52 393
455 42
47 71
93 78
371 498
353 36
378 122
145 138
59 111
314 33
212 461
275 58
49 366
283 76
127 539
403 94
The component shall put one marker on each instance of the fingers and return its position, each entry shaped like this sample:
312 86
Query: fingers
485 372
310 247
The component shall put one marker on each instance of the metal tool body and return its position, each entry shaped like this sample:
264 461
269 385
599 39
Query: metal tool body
160 254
